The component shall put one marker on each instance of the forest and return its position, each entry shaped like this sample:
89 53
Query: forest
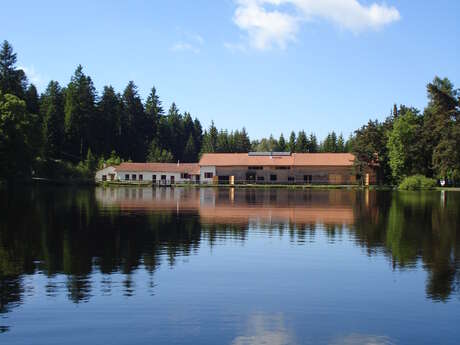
71 130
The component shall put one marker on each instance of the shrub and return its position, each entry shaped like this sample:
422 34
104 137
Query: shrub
417 182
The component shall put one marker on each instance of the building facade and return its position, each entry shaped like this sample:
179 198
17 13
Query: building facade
282 168
246 168
155 173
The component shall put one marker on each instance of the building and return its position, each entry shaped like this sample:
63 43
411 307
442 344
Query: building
156 173
241 168
281 168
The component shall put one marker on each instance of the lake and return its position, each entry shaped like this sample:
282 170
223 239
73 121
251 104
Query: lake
135 265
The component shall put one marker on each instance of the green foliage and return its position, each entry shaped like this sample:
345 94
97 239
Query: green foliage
15 148
79 111
417 182
370 149
71 122
158 155
282 143
52 115
107 130
301 143
403 150
223 141
12 80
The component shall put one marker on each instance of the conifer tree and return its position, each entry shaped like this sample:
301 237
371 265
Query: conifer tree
292 142
313 144
153 112
133 137
32 100
281 143
302 142
109 109
79 111
52 113
190 151
12 80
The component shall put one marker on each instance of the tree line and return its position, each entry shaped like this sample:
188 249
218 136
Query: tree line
70 130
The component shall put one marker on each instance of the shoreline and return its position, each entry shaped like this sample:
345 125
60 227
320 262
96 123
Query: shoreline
91 183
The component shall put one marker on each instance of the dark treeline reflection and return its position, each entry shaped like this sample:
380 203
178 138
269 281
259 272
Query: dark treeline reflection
76 232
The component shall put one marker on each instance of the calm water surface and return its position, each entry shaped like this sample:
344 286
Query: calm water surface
204 266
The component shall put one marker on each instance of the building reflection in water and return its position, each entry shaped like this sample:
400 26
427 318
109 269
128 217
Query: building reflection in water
68 235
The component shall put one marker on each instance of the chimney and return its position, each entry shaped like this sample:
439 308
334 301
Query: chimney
178 163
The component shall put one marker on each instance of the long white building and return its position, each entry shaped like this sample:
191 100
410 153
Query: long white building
156 173
246 168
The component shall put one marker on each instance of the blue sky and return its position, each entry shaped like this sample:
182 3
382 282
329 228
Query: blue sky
269 65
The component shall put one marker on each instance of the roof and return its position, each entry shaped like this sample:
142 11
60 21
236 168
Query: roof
189 168
295 159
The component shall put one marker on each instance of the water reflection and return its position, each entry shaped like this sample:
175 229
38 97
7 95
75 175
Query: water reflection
265 330
93 241
362 339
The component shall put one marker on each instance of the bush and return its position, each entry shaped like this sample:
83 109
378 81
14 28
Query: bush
417 182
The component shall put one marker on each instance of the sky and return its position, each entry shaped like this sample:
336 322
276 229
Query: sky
271 66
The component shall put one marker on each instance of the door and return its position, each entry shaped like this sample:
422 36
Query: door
172 179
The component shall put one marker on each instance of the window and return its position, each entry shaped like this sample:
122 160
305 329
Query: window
127 177
134 177
184 176
282 168
208 175
172 179
291 178
260 178
154 178
141 177
307 178
104 177
273 178
255 168
163 177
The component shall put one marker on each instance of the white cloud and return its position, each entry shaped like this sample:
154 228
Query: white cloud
271 23
191 43
235 47
184 46
32 75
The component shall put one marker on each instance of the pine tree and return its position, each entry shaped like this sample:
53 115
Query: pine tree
282 143
333 142
197 135
245 141
302 142
313 144
213 134
292 142
52 113
12 80
176 129
133 137
190 155
79 115
153 112
340 144
109 110
32 100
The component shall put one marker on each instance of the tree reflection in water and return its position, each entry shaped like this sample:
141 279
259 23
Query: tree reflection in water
75 232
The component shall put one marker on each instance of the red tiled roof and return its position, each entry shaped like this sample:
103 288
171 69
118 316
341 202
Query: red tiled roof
295 159
189 168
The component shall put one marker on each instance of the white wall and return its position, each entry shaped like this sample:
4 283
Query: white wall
105 172
148 176
207 169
